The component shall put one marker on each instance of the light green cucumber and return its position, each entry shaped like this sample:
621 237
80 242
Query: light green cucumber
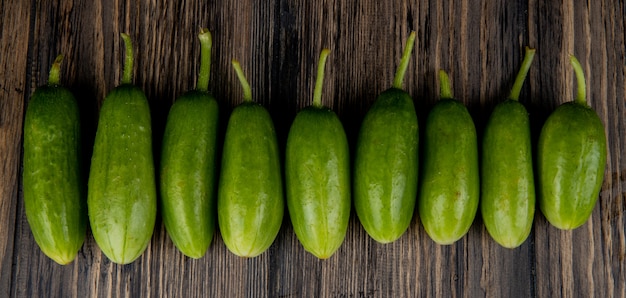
571 157
386 160
507 185
53 189
449 192
317 174
250 202
188 188
122 187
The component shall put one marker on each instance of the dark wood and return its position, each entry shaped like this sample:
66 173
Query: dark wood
14 89
278 42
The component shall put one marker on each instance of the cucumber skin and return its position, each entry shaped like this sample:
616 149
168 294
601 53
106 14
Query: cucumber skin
449 191
250 202
53 189
317 173
386 166
187 184
571 162
507 186
122 187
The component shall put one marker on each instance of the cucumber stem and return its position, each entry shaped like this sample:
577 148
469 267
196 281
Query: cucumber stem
521 75
127 76
404 61
247 93
580 78
54 78
206 42
444 81
319 82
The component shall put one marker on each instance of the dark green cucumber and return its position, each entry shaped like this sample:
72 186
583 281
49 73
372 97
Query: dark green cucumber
386 161
122 187
188 188
52 186
317 174
449 191
571 160
250 202
507 184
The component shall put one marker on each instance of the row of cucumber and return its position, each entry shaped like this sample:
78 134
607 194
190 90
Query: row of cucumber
121 203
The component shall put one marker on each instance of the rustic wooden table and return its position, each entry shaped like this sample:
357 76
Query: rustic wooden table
480 43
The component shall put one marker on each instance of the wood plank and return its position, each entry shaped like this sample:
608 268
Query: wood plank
278 44
14 33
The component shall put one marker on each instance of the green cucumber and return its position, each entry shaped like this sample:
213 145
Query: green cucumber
54 200
449 192
122 187
188 187
571 160
317 174
507 184
386 160
250 202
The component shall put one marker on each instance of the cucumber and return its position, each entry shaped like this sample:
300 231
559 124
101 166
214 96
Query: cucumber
571 160
386 160
122 188
250 202
317 174
53 190
507 184
449 192
188 188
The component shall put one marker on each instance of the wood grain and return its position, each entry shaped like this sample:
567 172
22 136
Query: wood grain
278 42
13 91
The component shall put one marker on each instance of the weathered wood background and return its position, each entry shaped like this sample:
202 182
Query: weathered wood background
480 43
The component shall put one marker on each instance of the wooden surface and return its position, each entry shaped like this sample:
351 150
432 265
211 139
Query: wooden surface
480 44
